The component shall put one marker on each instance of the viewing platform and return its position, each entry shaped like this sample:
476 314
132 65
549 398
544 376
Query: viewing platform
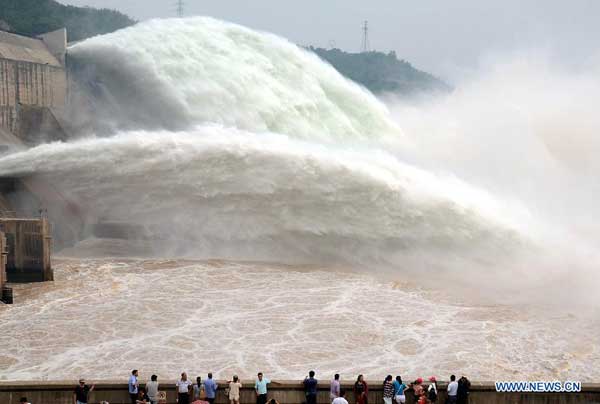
284 391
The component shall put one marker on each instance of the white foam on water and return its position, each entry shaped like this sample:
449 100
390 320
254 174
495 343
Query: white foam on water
101 318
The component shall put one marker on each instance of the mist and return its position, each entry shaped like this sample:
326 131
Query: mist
525 128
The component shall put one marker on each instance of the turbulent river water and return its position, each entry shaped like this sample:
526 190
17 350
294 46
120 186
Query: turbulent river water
292 220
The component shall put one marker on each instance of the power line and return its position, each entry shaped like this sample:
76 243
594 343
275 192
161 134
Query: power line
180 11
365 40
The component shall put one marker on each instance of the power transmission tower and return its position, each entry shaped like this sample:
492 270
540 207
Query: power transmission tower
179 6
365 39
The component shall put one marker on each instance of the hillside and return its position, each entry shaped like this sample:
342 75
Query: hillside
34 17
381 72
377 71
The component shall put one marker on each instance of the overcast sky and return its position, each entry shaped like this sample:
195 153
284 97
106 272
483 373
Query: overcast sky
445 37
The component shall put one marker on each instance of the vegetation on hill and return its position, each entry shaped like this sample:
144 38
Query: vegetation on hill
381 72
34 17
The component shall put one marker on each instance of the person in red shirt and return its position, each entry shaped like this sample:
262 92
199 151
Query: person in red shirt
418 390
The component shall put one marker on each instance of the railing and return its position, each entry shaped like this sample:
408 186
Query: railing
33 215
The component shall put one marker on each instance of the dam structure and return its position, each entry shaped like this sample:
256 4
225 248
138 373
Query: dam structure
25 248
28 247
33 86
33 96
5 291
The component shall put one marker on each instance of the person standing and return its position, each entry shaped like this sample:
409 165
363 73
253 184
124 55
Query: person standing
198 389
432 392
452 390
310 388
399 388
462 394
388 390
417 387
341 399
210 388
234 390
133 386
260 387
80 395
152 389
183 387
361 390
334 389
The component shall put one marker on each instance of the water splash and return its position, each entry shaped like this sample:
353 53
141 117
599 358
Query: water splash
226 193
179 72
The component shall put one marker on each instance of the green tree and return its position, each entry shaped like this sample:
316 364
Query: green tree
380 72
34 17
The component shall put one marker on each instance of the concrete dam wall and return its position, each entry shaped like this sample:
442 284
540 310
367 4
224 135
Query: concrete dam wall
33 96
33 86
285 392
34 89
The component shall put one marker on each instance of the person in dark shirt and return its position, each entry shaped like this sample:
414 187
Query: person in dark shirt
388 390
462 395
361 390
310 388
80 395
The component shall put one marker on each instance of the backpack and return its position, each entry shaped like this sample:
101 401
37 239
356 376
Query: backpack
432 395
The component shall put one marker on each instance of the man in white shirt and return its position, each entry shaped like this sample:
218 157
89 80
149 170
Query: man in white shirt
183 389
341 399
452 390
152 389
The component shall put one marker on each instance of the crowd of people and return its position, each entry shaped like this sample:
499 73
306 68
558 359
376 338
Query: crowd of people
205 391
457 391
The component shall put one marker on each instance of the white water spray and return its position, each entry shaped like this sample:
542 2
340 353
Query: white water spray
172 73
279 158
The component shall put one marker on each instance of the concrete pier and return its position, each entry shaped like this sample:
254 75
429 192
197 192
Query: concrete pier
5 292
284 391
28 247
